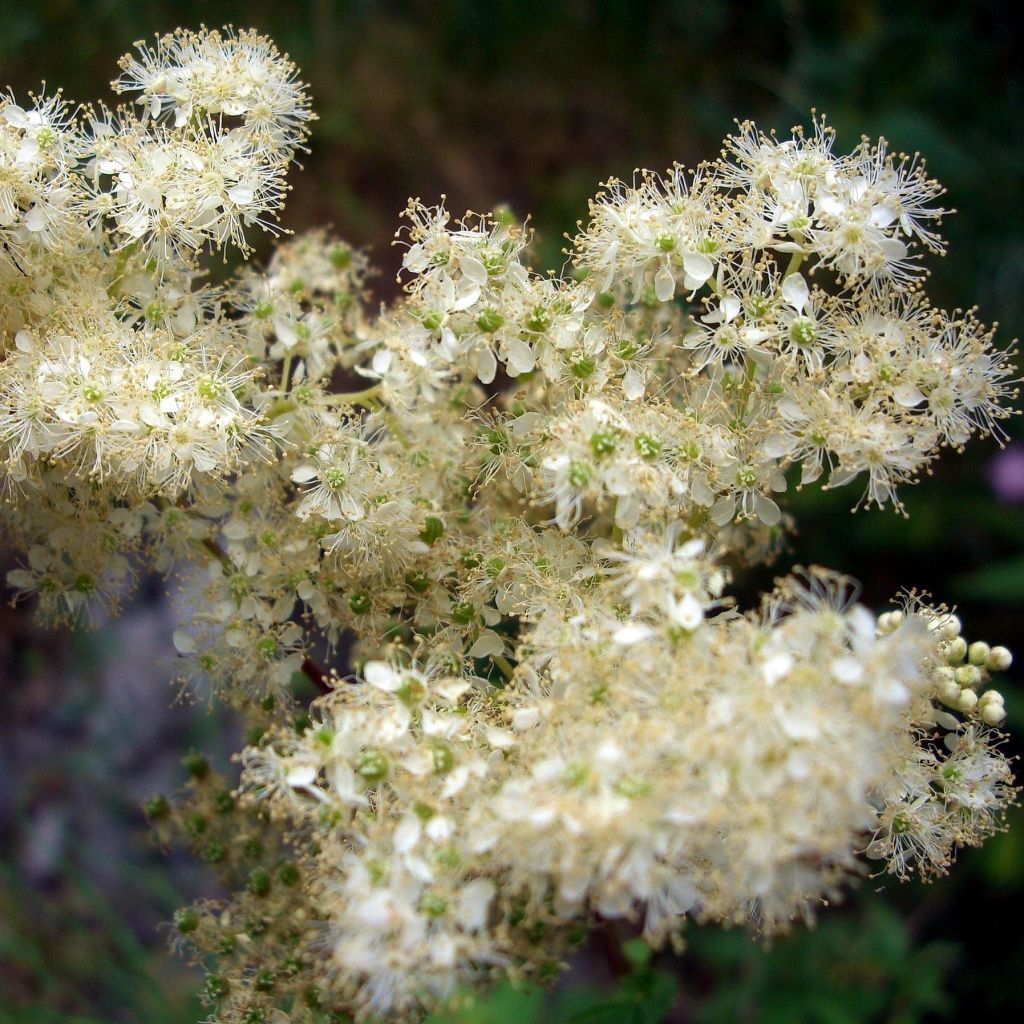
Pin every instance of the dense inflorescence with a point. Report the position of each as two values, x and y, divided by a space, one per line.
515 528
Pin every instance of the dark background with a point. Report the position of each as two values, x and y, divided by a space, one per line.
532 105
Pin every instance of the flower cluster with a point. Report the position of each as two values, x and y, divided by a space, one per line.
493 523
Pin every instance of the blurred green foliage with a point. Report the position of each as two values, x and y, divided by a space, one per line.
67 959
532 103
851 969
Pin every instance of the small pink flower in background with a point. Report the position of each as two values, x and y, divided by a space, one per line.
1006 474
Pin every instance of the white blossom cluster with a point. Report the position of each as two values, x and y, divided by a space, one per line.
624 774
515 521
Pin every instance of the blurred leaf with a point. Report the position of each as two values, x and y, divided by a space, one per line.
504 1004
1002 583
846 971
642 997
637 952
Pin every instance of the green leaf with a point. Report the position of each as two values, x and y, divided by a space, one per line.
501 1005
637 952
1001 583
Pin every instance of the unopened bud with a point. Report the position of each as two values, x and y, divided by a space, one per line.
978 653
968 675
968 700
956 650
993 714
888 622
949 693
990 697
949 627
999 659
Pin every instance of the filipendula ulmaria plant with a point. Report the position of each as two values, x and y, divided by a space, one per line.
557 715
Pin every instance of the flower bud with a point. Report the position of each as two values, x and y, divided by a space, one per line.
968 700
956 650
949 627
968 675
991 697
889 622
993 713
949 693
157 807
259 882
978 653
186 920
196 765
999 659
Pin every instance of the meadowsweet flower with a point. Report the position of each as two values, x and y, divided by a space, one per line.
538 702
226 76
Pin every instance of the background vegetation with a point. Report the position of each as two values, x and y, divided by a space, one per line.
531 104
